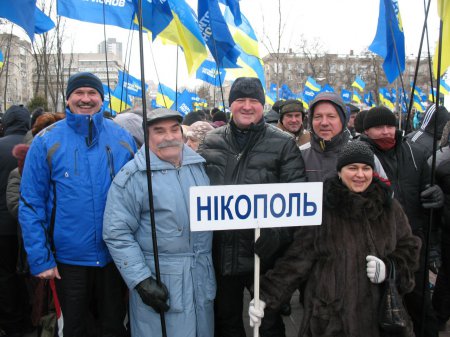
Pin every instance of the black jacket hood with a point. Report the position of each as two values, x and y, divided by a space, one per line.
16 120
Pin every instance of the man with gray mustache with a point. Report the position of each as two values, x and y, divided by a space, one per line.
188 285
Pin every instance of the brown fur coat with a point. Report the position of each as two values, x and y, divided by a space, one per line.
331 258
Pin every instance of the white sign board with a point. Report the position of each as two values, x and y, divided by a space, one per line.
224 207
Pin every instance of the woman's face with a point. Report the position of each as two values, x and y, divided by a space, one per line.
193 143
357 177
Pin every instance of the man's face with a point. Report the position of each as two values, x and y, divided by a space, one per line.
351 121
246 111
326 122
381 131
84 101
292 121
166 140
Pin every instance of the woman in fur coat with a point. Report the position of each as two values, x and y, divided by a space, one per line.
344 261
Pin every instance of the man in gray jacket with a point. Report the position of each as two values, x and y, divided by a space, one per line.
187 289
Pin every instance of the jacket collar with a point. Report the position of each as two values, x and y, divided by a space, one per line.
323 145
156 164
80 123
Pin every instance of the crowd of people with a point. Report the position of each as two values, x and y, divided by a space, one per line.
78 220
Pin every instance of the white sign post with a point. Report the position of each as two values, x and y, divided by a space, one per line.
227 207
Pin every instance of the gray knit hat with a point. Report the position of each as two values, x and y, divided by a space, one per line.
355 152
333 98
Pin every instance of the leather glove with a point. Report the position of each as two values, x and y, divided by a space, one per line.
255 314
153 294
432 197
376 269
267 243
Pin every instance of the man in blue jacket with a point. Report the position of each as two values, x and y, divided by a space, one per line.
66 177
188 284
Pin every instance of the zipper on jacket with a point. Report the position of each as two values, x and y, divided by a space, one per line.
76 161
110 162
89 138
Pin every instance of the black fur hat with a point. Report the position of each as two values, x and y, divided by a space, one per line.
355 152
377 116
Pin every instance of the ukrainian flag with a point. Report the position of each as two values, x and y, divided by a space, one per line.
183 30
418 104
1 59
312 84
119 99
444 14
444 88
165 97
356 97
359 83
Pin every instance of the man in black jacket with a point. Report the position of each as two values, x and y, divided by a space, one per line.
247 151
407 169
16 122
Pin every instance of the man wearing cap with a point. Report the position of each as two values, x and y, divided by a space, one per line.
188 286
66 177
328 135
407 169
247 151
291 119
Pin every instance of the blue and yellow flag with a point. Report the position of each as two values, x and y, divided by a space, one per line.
418 104
156 16
356 97
359 84
117 13
120 100
312 84
251 65
444 15
1 59
21 12
389 41
216 34
368 100
166 96
385 98
327 88
444 88
184 31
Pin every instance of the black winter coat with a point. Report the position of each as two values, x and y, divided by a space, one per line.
270 156
408 171
16 122
339 299
443 180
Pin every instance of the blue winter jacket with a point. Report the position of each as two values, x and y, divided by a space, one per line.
184 256
74 161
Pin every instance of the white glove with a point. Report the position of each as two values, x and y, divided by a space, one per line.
376 269
255 314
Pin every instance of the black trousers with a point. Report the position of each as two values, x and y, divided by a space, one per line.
228 308
441 296
416 299
87 293
14 306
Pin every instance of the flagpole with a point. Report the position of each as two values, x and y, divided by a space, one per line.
147 165
429 59
416 71
176 82
432 181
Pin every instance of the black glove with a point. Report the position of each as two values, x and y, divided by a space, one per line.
267 243
153 294
432 197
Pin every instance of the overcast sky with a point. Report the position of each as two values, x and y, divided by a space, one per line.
341 26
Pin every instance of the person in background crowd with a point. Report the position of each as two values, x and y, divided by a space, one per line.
328 135
358 123
68 170
247 151
344 261
187 286
219 119
441 294
272 116
34 116
407 169
425 134
352 112
196 134
14 315
131 120
194 116
291 119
